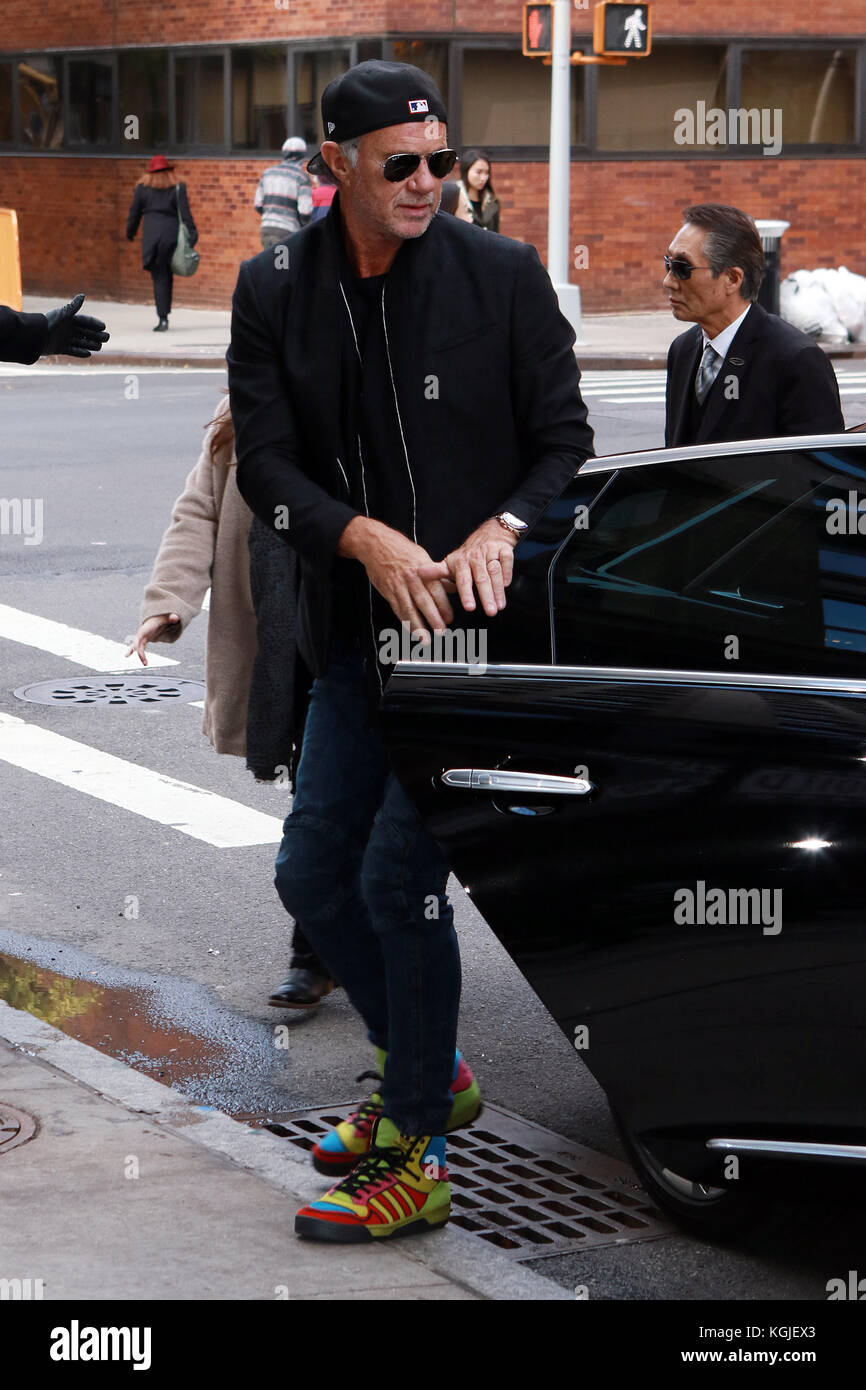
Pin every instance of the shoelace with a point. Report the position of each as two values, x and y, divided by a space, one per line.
375 1166
371 1109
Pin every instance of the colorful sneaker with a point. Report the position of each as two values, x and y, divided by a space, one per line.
348 1141
399 1188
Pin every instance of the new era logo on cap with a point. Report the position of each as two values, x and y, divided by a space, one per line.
417 106
330 126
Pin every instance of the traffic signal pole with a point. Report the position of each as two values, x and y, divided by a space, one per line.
558 229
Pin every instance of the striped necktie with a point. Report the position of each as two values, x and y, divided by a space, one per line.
708 370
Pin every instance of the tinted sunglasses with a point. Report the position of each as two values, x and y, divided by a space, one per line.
681 269
398 167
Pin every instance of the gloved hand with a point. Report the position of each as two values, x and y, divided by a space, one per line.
71 335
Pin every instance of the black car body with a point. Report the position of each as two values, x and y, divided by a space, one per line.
684 655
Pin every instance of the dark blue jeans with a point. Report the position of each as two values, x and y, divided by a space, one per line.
357 867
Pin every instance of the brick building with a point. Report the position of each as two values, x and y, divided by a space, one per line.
217 84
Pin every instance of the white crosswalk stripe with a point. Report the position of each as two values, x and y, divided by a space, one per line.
85 648
193 811
204 815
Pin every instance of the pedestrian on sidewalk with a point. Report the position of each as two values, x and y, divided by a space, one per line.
739 373
478 185
284 196
156 199
375 480
251 667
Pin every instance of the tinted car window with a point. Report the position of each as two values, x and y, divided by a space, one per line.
751 562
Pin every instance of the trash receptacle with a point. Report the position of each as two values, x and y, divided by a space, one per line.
771 233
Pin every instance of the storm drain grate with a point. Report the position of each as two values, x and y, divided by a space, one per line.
111 690
15 1128
520 1187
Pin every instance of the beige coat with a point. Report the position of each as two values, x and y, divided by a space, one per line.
206 544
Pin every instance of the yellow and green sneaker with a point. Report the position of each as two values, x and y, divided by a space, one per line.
342 1147
401 1187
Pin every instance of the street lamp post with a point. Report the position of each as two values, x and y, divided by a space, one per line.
560 165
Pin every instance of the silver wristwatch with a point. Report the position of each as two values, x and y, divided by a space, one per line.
511 523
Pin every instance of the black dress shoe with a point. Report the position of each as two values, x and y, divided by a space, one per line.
301 989
162 326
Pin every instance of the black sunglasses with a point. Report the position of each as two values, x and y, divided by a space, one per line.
398 167
681 269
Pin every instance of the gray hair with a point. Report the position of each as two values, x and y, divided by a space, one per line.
350 149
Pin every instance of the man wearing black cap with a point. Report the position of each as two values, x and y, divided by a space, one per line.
406 403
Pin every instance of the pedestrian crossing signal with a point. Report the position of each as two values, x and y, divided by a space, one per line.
622 30
537 31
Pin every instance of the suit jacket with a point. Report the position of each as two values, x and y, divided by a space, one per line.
482 376
159 208
774 381
22 336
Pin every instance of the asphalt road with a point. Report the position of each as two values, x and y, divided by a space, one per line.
210 938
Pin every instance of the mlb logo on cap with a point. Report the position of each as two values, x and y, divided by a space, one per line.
417 106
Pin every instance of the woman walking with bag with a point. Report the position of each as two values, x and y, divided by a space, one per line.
165 208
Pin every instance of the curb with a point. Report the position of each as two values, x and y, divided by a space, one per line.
453 1254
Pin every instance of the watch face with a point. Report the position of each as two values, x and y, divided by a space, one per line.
514 521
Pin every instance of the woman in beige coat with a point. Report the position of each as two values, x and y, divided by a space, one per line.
204 547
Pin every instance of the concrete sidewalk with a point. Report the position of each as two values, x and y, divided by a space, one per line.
131 1191
200 337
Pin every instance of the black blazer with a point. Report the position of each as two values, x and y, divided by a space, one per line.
484 378
774 381
158 207
22 336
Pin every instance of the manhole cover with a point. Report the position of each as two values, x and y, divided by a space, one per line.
520 1187
15 1128
112 690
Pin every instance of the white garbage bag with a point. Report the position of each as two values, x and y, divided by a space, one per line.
849 304
805 303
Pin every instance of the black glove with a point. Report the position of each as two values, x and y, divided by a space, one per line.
71 335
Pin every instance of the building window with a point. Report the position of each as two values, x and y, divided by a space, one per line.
640 106
814 89
313 72
198 95
506 99
89 81
143 84
430 56
259 97
5 103
39 106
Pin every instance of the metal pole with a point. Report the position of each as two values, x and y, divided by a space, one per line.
560 165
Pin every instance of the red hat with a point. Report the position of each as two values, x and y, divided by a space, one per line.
157 163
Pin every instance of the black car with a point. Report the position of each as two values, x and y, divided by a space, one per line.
654 790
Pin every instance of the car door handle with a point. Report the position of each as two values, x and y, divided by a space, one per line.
491 779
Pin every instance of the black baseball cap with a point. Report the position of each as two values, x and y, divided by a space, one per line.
374 95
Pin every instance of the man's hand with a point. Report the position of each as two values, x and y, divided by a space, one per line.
485 560
394 565
73 334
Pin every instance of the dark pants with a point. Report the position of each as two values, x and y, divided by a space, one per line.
358 868
163 281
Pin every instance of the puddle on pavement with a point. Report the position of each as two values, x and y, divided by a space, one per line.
169 1029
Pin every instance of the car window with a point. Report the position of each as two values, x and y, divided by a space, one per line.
750 561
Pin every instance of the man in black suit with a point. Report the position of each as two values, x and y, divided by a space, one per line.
740 373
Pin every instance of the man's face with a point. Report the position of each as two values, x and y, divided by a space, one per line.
395 211
702 297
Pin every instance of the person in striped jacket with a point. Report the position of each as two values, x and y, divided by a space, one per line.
284 196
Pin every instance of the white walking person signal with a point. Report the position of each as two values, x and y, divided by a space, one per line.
634 28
